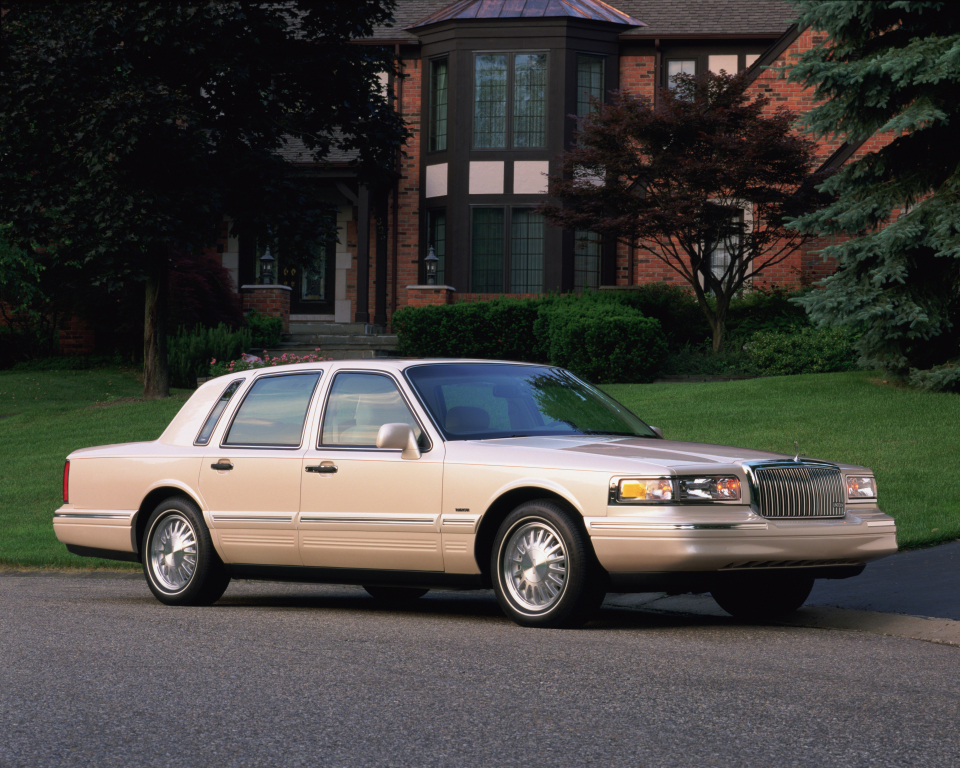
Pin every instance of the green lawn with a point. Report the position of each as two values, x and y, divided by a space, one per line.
909 438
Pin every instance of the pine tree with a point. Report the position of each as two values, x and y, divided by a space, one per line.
893 68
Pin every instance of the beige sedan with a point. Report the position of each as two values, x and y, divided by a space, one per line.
406 475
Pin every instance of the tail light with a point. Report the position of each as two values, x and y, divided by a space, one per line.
66 482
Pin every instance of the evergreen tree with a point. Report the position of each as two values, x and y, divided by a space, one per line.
894 68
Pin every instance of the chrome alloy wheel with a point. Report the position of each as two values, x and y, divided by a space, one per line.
534 564
173 553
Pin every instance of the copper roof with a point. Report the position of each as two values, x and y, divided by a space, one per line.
594 10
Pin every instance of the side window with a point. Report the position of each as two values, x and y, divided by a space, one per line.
273 412
204 437
358 405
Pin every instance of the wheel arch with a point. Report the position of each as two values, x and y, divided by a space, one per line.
154 497
502 506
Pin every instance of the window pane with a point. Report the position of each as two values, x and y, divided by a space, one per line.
589 83
273 412
586 260
490 102
526 274
487 250
214 416
359 404
438 105
437 237
530 100
678 67
727 245
313 276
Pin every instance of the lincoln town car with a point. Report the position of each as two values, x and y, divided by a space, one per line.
402 476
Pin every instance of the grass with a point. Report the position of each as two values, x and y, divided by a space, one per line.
909 438
44 415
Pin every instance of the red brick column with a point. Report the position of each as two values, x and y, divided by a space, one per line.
269 300
76 337
425 295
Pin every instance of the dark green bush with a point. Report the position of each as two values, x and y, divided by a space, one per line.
189 353
265 331
18 344
502 329
606 343
811 350
765 309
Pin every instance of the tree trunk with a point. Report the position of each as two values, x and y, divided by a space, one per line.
156 373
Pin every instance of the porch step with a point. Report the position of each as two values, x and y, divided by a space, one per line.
340 341
308 328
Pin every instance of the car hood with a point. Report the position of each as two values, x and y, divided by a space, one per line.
614 454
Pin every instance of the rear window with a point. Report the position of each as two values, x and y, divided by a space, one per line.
204 437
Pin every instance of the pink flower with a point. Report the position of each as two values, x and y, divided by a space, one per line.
213 361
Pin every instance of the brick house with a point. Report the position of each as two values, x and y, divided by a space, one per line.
487 89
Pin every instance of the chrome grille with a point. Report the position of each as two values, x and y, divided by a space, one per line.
799 490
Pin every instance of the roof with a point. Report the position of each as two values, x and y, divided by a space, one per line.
663 18
594 10
295 151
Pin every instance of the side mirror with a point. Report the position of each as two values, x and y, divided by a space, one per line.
658 431
399 436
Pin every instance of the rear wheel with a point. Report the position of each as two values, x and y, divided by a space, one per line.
179 561
543 570
395 594
756 597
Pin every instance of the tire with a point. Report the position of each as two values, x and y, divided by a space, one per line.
762 598
395 595
543 570
179 561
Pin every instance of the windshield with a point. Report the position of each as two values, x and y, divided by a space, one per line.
471 401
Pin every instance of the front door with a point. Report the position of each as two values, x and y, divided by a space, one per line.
312 283
365 507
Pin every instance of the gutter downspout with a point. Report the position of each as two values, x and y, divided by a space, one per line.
657 66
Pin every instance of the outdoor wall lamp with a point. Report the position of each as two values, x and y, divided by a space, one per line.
266 268
430 262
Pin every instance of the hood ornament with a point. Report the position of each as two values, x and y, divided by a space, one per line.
796 445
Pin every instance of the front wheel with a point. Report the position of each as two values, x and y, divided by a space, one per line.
543 570
179 561
762 598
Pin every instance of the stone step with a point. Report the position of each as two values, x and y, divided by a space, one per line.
308 328
339 340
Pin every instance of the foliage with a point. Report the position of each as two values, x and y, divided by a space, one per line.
652 175
942 378
766 309
25 343
605 342
249 362
502 329
131 128
191 352
811 350
266 331
892 68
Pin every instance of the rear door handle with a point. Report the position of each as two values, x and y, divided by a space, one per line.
323 469
222 465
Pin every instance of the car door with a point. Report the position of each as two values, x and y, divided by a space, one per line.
365 507
251 480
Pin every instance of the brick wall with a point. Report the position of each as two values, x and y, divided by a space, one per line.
76 337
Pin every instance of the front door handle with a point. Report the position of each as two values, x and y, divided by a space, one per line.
323 469
221 465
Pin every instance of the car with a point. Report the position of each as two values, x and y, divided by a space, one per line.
402 476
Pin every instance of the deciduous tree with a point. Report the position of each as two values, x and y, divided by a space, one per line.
141 124
703 179
892 68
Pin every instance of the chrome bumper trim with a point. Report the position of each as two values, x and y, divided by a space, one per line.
95 515
618 526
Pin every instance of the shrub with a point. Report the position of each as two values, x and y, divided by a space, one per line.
25 343
942 378
248 362
189 353
265 331
607 343
812 350
502 329
765 309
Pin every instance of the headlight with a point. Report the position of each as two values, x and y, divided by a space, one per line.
725 488
648 489
861 487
